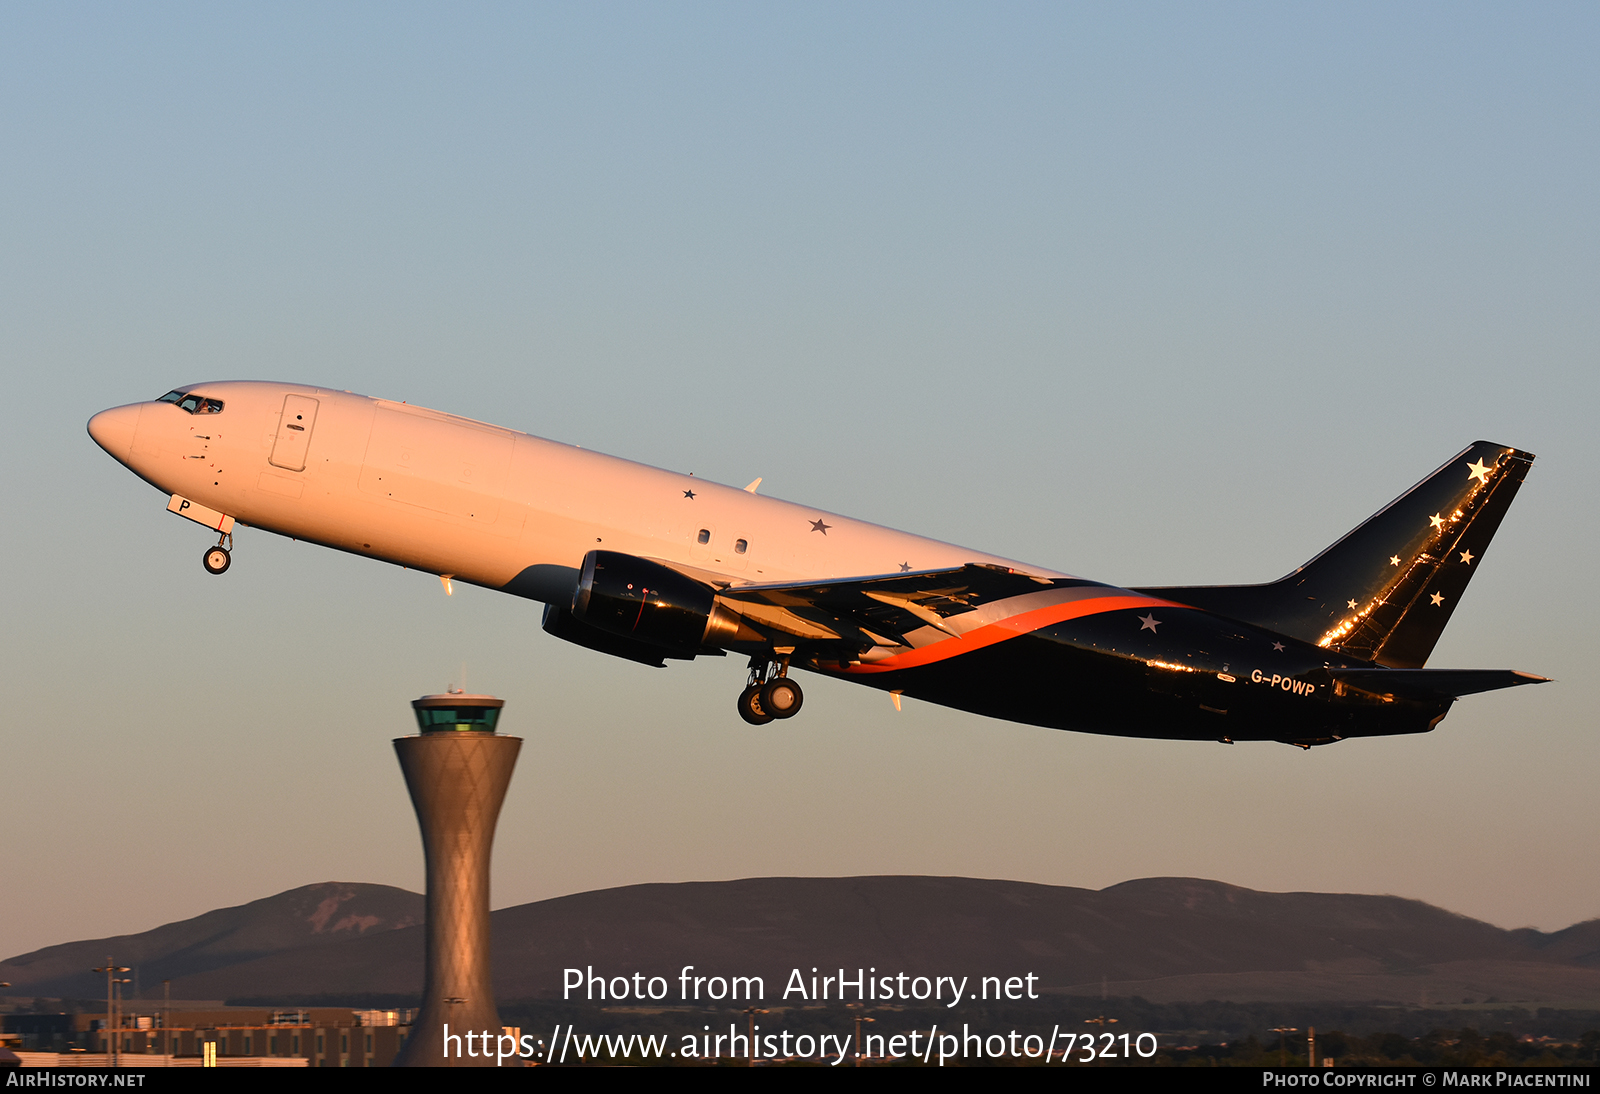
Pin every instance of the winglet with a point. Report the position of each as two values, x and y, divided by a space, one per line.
751 489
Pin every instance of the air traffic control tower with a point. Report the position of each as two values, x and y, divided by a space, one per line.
457 769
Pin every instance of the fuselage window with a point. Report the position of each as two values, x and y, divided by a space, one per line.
740 546
704 536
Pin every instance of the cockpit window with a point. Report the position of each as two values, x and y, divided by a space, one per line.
194 404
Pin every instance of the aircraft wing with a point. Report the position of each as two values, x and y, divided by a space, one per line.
882 610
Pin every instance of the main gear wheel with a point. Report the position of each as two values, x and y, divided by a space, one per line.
751 708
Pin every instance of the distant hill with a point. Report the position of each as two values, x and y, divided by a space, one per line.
309 918
1167 939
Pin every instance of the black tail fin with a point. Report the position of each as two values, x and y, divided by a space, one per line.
1385 591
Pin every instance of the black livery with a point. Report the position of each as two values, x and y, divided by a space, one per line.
1333 650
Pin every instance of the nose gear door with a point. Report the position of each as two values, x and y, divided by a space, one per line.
294 433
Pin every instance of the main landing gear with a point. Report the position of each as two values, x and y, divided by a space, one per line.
770 693
217 559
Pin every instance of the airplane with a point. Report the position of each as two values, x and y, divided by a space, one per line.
652 565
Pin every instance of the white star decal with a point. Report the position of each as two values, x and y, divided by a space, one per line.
1278 646
1479 471
1350 603
1437 600
1394 560
1149 622
1467 556
1436 520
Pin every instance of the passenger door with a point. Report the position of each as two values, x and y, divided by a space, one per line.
294 433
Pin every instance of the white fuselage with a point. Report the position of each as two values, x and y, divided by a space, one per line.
477 502
599 538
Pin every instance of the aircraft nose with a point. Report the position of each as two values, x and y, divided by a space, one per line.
113 429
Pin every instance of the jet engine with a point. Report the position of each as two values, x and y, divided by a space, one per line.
646 602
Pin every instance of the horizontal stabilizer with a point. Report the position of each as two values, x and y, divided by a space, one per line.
1433 683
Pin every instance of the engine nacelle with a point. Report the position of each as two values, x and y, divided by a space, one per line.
644 601
560 622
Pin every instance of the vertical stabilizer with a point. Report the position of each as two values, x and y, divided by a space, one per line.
1385 591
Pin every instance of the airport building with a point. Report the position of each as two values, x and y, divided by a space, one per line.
315 1037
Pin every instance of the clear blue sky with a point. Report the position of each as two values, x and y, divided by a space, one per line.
1150 293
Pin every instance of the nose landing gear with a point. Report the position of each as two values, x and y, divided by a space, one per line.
217 559
770 693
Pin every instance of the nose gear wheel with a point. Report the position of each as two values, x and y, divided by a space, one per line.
217 559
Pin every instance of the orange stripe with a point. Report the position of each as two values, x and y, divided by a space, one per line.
1006 629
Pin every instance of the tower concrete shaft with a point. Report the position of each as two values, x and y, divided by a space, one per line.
458 781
